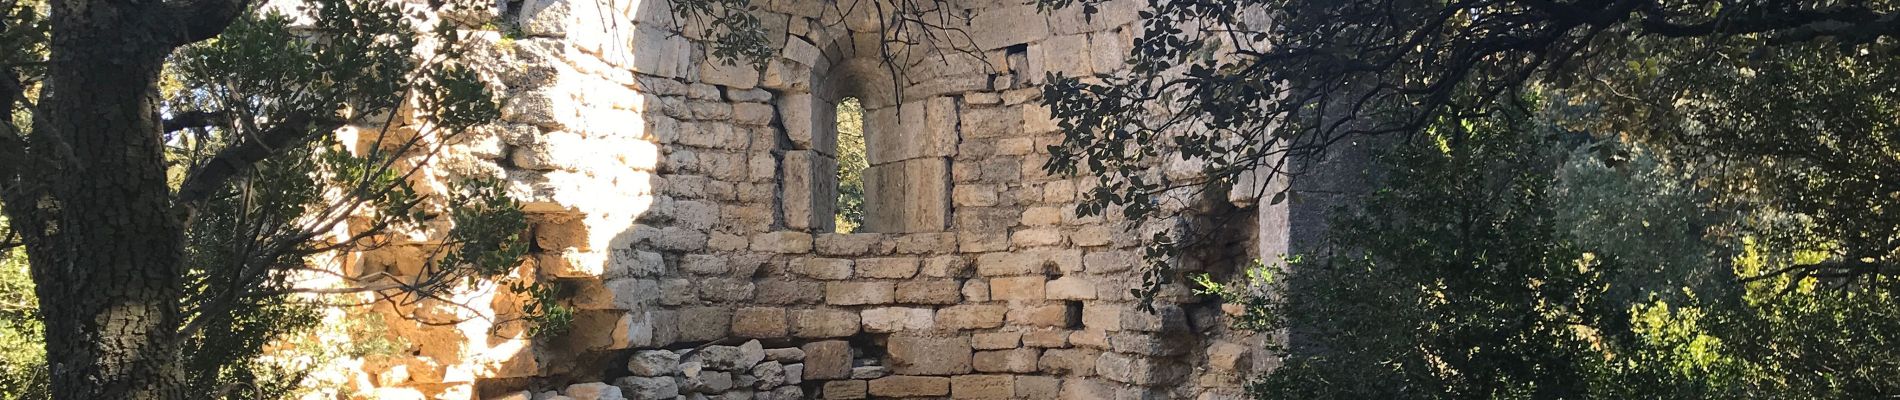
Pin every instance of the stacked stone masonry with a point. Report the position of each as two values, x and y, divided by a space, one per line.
687 206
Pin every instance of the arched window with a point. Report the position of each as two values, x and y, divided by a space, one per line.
851 165
860 161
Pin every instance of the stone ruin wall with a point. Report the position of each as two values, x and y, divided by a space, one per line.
686 206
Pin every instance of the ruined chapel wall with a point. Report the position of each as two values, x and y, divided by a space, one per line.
687 204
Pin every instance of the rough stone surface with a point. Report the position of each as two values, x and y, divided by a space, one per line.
910 386
691 202
653 363
827 360
924 355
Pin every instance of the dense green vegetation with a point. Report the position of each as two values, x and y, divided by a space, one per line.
1581 199
216 143
851 165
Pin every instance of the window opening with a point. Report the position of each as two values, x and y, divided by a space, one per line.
851 165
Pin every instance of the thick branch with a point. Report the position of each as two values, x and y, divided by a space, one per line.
202 19
205 179
1849 23
191 119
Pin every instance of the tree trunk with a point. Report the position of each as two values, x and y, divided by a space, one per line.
107 255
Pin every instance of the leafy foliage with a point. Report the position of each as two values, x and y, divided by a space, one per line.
22 340
851 165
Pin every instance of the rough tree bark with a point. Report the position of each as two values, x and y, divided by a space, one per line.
94 206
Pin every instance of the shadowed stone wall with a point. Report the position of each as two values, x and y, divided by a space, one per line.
686 206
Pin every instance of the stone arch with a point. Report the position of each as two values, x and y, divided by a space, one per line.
909 144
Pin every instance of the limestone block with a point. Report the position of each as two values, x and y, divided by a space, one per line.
829 359
909 386
782 242
653 363
811 191
723 358
573 263
709 382
974 195
788 355
703 323
593 391
1042 216
1105 50
926 243
782 393
859 293
1047 338
870 372
907 196
774 291
754 114
896 319
1110 261
722 73
750 353
675 292
1037 119
635 264
1102 316
1017 288
982 387
703 264
725 289
680 239
1070 288
1050 316
770 374
887 268
759 322
822 268
974 242
1021 360
916 132
983 98
1001 27
784 75
971 316
1145 344
1087 389
795 373
1166 317
928 291
1092 338
824 323
810 123
543 18
996 340
1038 387
845 390
1092 235
851 244
925 355
1037 237
976 290
991 122
1011 263
632 293
1116 367
609 329
1228 356
1072 362
946 266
